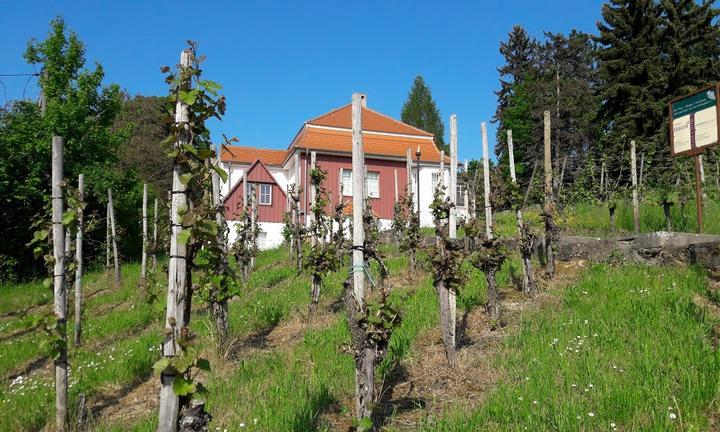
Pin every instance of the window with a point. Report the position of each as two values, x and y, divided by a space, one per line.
346 182
460 197
372 183
435 180
265 194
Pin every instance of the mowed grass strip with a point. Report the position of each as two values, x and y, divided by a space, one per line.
625 349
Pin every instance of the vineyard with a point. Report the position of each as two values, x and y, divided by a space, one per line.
158 275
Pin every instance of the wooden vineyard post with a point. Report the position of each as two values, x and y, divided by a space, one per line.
253 223
113 237
452 220
702 176
486 180
143 262
220 306
365 352
633 174
549 204
59 287
79 263
177 272
528 284
155 236
397 195
408 169
315 280
442 168
107 238
698 194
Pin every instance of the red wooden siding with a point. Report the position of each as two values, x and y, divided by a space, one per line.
266 213
382 206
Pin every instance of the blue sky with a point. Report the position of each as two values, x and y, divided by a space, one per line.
282 63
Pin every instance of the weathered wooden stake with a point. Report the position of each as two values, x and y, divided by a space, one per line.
177 272
365 364
315 280
143 262
155 236
549 202
452 220
408 169
79 263
107 238
528 284
486 180
220 307
113 237
59 287
633 173
253 223
397 195
442 169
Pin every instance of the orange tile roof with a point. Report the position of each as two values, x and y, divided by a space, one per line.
249 155
314 138
371 120
373 144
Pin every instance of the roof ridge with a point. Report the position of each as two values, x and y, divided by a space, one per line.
252 148
425 133
333 111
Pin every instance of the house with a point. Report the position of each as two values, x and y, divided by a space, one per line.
386 143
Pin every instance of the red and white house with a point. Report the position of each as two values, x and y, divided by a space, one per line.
385 142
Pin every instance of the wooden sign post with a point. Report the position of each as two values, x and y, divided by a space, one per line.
695 126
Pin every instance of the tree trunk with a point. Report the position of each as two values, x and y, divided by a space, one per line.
107 239
486 178
59 287
633 174
611 209
79 264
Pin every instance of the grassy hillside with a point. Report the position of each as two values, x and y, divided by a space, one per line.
622 343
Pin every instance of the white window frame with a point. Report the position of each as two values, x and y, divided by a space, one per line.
435 180
347 181
260 194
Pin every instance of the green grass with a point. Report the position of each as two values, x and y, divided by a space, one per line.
645 323
625 346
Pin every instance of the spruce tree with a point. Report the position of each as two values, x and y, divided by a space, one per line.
420 110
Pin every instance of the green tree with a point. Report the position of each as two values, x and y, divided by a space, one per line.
420 110
143 153
82 110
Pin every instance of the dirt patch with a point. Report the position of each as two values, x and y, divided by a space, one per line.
118 406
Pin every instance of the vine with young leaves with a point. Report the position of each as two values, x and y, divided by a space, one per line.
446 258
323 256
293 230
406 223
209 276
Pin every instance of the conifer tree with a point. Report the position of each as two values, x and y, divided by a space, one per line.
420 110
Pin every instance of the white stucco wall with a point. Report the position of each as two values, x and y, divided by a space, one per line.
271 236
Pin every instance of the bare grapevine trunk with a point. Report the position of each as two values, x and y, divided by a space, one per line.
666 211
493 304
315 293
445 321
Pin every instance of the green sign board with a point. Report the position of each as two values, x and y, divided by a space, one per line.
694 122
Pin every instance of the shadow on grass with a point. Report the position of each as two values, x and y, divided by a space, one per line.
391 404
